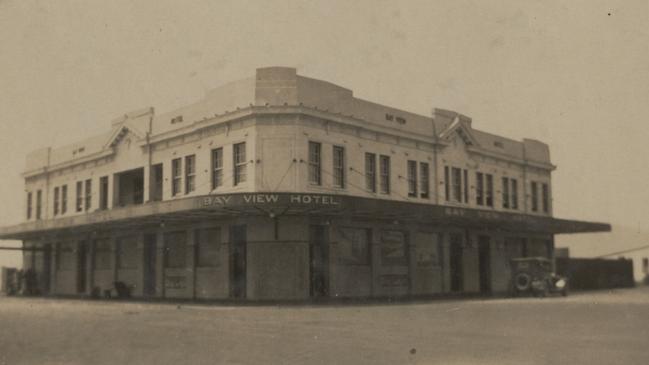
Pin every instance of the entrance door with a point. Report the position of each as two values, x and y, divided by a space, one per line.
319 261
81 267
150 243
456 267
238 261
484 264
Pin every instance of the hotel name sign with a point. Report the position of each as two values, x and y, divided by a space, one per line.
265 199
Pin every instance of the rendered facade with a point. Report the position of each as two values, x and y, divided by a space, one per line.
282 187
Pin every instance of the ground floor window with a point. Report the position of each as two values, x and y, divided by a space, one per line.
354 246
175 249
428 249
394 248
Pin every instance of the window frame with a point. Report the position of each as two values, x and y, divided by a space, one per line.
190 173
64 199
176 176
411 176
534 194
315 163
87 195
79 196
103 193
56 201
217 167
479 189
456 184
370 172
338 165
514 193
424 180
239 168
29 206
384 174
545 197
505 192
39 204
489 190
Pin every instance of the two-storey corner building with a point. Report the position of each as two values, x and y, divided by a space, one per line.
284 187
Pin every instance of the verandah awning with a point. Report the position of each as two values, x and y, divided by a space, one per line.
278 204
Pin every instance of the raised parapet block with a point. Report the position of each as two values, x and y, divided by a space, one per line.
536 151
276 86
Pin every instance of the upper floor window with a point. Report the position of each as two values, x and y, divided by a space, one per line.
39 203
412 178
545 198
57 200
456 184
217 167
176 176
423 180
489 190
339 166
447 183
370 172
479 188
505 192
239 159
190 173
314 163
79 196
103 192
88 196
513 184
29 205
64 199
535 196
384 167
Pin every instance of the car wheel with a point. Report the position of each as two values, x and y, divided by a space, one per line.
522 282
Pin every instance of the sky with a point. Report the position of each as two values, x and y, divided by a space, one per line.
572 74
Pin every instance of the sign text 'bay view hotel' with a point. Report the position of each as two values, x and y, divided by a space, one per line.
282 187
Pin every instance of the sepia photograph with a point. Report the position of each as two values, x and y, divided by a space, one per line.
324 182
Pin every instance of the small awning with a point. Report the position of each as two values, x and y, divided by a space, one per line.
278 204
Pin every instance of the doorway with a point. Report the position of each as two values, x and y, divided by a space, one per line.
484 264
455 264
149 267
319 261
238 261
81 266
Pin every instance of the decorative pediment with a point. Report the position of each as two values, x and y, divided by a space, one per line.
120 133
459 129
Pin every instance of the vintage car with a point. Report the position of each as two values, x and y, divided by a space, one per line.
533 275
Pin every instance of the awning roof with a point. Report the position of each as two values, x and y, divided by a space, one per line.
277 204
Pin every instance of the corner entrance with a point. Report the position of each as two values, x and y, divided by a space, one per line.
319 261
238 261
